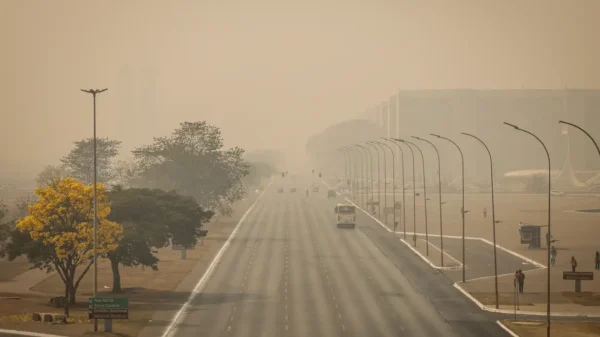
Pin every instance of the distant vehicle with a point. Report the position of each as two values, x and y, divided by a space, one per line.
316 189
331 193
280 190
293 189
345 215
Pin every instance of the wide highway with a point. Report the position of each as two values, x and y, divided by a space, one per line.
288 271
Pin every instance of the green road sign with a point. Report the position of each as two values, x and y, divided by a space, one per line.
108 308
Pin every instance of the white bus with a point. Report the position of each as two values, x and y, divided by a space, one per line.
345 215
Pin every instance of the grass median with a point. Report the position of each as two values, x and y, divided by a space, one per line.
147 290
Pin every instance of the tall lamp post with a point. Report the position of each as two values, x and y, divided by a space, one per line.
378 181
582 130
363 183
356 161
414 191
393 179
94 92
549 212
462 210
424 195
403 189
384 180
440 196
341 150
493 214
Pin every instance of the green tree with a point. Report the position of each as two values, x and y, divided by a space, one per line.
151 218
50 173
80 160
192 161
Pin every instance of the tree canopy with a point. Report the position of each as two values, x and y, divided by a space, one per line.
50 173
80 160
150 218
192 161
58 233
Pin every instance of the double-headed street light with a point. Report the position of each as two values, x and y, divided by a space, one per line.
403 189
94 92
549 212
440 196
363 181
493 214
414 191
462 210
374 143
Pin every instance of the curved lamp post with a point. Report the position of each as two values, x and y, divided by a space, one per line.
403 189
462 210
378 181
440 196
347 166
493 214
393 179
384 181
363 181
355 160
582 130
549 212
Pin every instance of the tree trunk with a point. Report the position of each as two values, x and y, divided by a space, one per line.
114 264
72 293
67 298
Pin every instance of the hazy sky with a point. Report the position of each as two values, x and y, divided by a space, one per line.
268 73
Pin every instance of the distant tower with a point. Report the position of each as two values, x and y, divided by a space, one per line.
567 179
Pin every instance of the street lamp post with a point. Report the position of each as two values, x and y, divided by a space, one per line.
363 181
341 150
549 212
94 92
356 162
393 179
384 181
440 196
414 192
424 195
403 189
582 130
378 181
462 210
493 214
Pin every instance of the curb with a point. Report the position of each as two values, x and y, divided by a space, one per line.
520 312
510 332
28 333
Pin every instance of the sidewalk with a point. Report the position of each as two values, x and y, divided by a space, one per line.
22 284
564 301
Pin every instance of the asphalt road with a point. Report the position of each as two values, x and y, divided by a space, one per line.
290 272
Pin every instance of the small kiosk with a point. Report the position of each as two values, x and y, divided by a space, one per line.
531 234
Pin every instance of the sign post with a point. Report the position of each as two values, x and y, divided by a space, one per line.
108 309
183 250
578 276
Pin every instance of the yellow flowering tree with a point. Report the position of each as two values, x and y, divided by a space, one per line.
61 232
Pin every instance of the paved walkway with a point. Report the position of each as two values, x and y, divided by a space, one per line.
22 284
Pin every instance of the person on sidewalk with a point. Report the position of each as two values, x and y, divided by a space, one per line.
521 281
597 260
573 263
485 212
552 256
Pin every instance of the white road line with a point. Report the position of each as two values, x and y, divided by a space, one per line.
425 258
510 332
445 253
27 333
171 327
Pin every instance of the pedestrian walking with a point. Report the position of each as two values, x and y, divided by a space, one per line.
573 263
485 212
521 281
597 260
552 256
